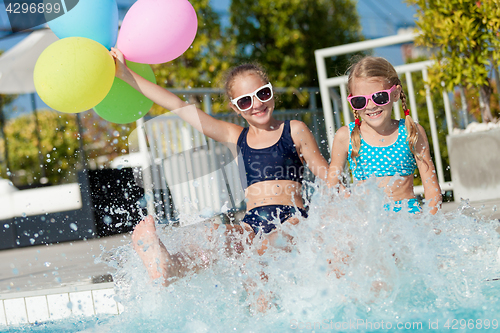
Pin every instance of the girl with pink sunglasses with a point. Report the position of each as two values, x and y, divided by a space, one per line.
375 145
273 153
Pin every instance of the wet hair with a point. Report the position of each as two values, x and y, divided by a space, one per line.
376 67
251 68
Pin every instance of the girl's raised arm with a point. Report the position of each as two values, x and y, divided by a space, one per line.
340 148
432 190
308 148
216 129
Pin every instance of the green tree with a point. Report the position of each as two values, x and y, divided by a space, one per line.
4 154
465 35
59 142
102 141
283 34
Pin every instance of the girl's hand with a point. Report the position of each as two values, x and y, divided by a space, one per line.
121 67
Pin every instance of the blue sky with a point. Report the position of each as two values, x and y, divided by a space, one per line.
378 18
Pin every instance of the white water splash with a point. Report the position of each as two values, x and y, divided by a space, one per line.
351 261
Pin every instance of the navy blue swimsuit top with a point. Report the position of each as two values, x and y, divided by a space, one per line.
278 162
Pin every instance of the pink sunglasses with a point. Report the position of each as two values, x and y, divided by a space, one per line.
380 98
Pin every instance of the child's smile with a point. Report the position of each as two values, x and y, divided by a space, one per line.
373 114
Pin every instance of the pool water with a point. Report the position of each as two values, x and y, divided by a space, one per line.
354 266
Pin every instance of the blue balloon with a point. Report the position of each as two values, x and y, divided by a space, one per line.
93 19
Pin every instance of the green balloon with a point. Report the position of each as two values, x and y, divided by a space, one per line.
123 104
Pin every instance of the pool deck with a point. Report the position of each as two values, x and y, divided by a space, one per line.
31 270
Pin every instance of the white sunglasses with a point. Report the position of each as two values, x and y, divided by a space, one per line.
245 102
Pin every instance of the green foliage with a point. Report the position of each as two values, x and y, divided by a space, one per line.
60 145
282 35
465 37
59 142
4 100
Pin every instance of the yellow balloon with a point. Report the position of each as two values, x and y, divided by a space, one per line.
74 74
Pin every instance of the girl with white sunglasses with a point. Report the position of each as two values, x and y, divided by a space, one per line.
375 145
274 153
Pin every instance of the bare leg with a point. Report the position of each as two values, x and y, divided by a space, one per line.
157 260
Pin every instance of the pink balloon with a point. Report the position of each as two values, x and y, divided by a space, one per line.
157 31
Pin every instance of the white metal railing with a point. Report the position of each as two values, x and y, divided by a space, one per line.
330 98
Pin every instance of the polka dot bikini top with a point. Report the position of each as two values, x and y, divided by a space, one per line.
395 159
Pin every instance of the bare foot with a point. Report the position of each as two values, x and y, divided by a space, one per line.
154 255
158 261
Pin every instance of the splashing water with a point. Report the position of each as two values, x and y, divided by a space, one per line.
353 266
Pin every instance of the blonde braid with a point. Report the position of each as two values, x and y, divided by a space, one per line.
411 128
355 138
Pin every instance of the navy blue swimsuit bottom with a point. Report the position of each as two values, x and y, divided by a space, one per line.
261 218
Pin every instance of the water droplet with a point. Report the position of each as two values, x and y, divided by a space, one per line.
107 220
47 264
6 226
15 271
73 226
196 183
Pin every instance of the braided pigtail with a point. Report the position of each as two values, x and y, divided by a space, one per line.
356 137
411 128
